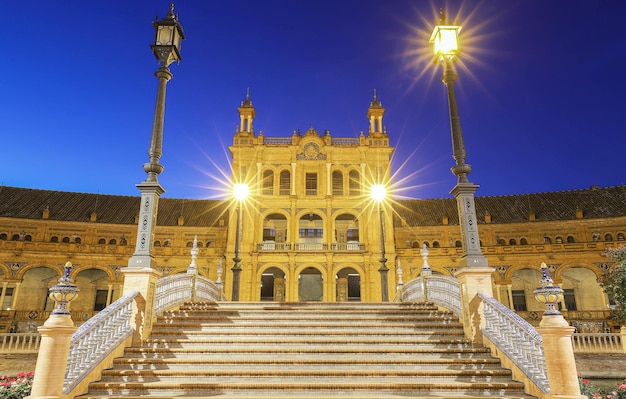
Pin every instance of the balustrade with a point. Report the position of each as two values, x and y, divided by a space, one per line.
19 343
97 338
172 291
517 339
597 342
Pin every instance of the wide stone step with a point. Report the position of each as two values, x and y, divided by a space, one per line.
307 350
402 387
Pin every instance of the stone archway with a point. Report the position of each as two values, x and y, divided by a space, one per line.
272 285
310 285
348 285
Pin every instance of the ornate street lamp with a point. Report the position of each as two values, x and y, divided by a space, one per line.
166 48
446 48
240 192
378 194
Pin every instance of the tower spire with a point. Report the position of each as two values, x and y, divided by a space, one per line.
375 115
246 115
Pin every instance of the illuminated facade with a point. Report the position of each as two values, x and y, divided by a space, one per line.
310 231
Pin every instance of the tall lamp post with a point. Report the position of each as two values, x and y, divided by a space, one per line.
378 193
446 47
166 48
240 192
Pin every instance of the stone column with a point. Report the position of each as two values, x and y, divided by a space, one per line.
342 289
472 281
623 337
560 362
143 280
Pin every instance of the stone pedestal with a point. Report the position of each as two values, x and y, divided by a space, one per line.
472 281
56 335
143 280
559 354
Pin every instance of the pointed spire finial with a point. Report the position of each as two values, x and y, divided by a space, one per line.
442 17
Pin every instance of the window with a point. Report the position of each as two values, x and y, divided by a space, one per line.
458 244
500 241
435 244
15 237
3 236
112 241
101 300
102 241
569 299
523 241
268 182
512 241
285 183
620 236
570 239
28 237
189 244
157 243
547 240
65 240
123 241
354 184
77 240
558 240
608 237
337 183
519 300
8 298
311 184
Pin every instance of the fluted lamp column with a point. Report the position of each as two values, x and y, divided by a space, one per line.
379 193
446 49
141 274
240 193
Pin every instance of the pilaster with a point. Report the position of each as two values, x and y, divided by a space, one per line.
143 280
472 281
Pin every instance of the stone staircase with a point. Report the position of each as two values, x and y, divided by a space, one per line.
307 350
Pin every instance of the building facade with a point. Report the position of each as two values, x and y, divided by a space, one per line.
309 231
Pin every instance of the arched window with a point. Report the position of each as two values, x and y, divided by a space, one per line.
199 244
102 241
547 239
427 244
189 244
500 241
167 243
54 239
285 182
354 184
458 244
123 241
523 241
570 239
337 183
15 237
435 244
608 237
28 237
268 182
558 240
620 236
77 240
157 243
112 241
415 244
512 241
65 240
3 236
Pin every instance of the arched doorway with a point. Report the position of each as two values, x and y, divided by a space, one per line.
310 285
348 285
273 285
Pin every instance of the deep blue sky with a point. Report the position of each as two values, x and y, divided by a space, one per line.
541 99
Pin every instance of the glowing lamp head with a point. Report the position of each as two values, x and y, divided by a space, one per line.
445 41
379 192
168 35
240 191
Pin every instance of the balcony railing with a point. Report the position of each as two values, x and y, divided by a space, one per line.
288 246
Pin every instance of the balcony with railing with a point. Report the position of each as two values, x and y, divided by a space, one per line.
306 247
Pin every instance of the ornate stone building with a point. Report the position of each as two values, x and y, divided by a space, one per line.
310 231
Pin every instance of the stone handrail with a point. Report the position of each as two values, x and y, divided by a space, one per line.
172 291
517 339
98 337
19 343
440 290
597 342
207 290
